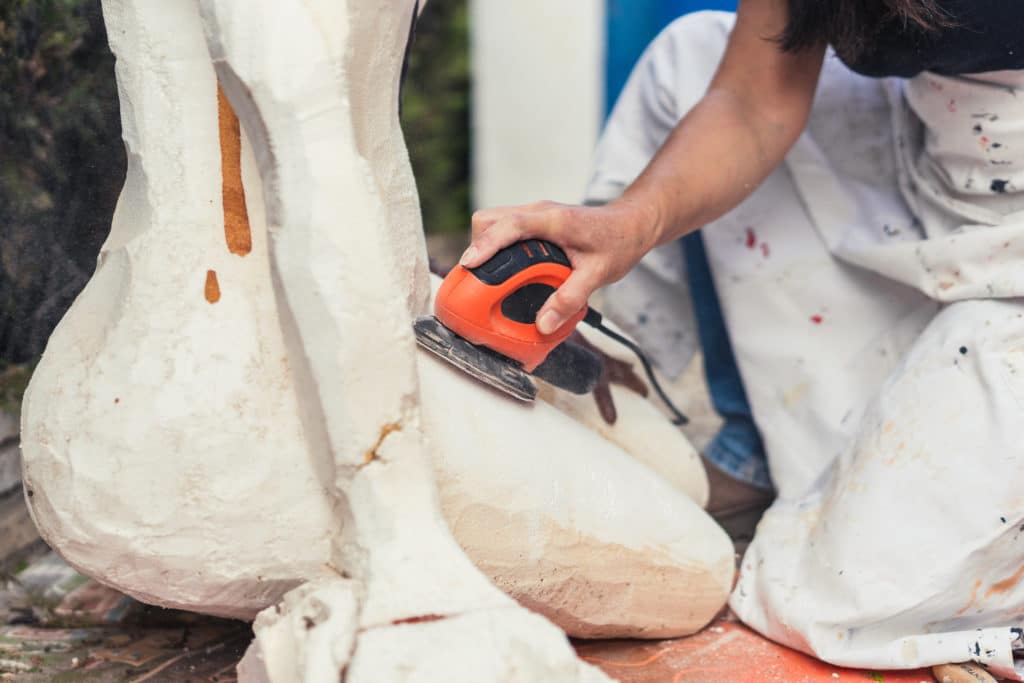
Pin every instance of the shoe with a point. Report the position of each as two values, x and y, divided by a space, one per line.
962 673
736 505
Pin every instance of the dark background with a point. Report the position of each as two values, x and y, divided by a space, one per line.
62 162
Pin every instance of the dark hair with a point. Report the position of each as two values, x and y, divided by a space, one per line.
850 25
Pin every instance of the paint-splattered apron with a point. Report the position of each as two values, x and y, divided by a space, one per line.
872 289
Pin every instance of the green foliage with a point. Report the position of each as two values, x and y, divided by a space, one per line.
13 382
61 165
435 114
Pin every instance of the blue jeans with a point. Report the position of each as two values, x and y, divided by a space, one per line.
737 449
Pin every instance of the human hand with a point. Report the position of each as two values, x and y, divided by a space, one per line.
602 242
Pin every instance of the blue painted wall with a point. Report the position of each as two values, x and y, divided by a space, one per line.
632 24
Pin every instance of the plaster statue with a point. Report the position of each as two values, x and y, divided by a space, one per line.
233 416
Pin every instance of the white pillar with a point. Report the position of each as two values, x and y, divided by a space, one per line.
538 98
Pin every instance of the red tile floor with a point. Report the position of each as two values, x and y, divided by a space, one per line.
85 632
206 651
725 652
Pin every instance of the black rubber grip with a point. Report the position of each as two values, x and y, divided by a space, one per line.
517 258
523 304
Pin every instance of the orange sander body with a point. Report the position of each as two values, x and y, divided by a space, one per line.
485 324
496 304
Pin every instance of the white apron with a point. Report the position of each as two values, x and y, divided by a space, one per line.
872 290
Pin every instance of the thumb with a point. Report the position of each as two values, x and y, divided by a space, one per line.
503 232
567 301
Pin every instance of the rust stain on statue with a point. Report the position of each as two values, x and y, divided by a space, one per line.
236 216
372 454
212 287
422 619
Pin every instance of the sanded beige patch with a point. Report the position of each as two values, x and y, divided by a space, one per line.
588 587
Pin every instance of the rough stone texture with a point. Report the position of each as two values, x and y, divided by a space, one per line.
17 531
241 370
124 370
10 455
571 525
60 173
183 406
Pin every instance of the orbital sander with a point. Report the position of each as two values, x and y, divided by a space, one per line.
484 323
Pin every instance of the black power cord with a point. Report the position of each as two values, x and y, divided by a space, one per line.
596 320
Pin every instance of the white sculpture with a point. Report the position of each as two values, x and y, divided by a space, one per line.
234 406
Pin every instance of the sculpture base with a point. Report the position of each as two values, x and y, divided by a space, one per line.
114 640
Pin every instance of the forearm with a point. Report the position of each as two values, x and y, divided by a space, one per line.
717 155
754 109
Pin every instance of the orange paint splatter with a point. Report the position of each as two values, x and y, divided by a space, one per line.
387 429
973 599
236 216
1004 586
212 290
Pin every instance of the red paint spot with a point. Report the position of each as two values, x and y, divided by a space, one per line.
951 106
766 251
751 238
817 319
116 401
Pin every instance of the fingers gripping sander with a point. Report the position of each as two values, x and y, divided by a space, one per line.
485 324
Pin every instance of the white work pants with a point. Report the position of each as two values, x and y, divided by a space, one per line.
872 291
